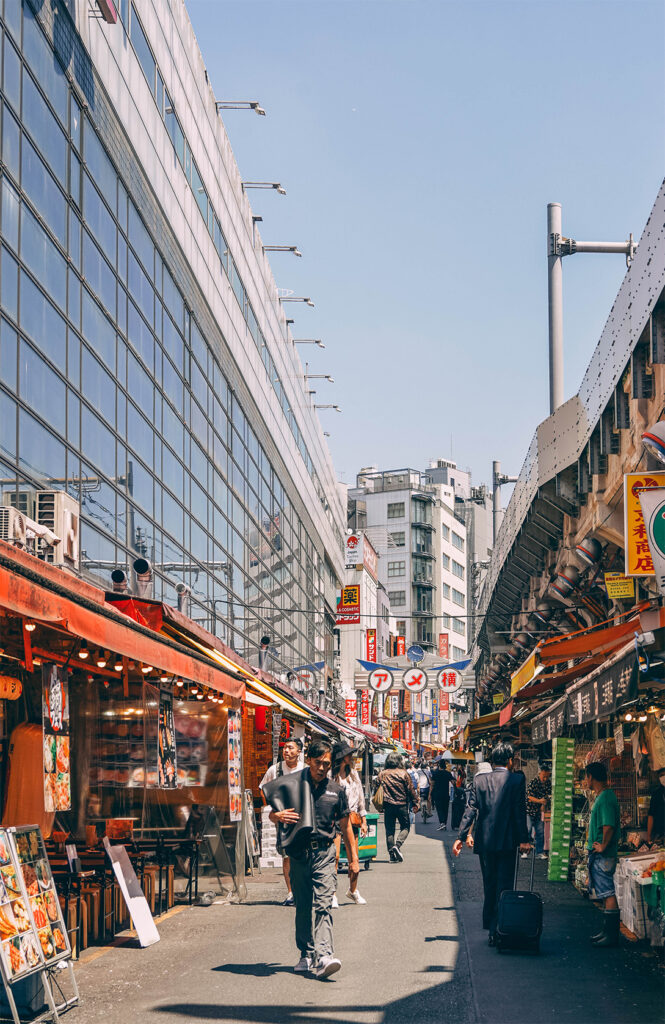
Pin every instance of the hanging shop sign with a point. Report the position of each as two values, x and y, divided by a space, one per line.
443 646
348 606
601 695
551 724
167 772
448 680
618 586
497 699
381 680
435 714
653 509
11 688
638 553
394 705
361 554
444 702
371 645
618 739
525 673
364 707
234 764
415 680
401 646
55 726
351 710
33 935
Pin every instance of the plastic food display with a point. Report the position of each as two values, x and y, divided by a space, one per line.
32 930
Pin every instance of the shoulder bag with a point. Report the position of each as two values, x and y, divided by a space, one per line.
378 798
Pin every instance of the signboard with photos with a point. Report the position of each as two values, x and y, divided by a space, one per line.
32 930
55 725
234 766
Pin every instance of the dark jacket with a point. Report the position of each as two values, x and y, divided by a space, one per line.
497 805
397 786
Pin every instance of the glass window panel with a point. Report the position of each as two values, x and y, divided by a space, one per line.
98 331
75 178
41 256
98 442
172 515
140 434
173 301
44 65
8 420
220 245
159 94
122 258
10 142
200 193
171 470
9 283
75 121
98 387
10 212
98 501
8 354
198 423
142 49
99 166
199 544
96 549
41 455
172 385
98 218
141 240
140 386
74 359
199 346
173 343
173 429
140 336
41 388
141 289
237 285
45 130
98 274
74 299
73 419
43 192
141 485
122 362
199 384
11 77
121 413
174 129
13 18
75 239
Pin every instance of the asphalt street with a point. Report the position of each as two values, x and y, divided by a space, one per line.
415 954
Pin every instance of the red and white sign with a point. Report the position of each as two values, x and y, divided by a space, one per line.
380 680
364 709
306 678
443 646
359 552
371 645
351 710
444 702
415 680
449 680
348 606
401 646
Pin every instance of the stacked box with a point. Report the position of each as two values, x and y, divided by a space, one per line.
563 772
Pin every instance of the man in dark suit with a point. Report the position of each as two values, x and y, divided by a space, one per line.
497 810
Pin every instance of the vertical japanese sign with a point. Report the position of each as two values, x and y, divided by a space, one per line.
401 646
350 710
444 702
364 708
276 733
348 606
371 645
167 771
234 765
55 725
435 714
443 645
638 553
653 507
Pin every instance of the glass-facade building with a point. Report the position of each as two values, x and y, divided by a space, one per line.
146 366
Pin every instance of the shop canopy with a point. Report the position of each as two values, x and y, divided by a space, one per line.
603 639
43 594
478 726
273 697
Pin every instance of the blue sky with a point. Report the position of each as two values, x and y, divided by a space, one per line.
420 143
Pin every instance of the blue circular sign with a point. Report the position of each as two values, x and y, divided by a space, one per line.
415 653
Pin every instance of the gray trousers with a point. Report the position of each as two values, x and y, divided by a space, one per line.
314 882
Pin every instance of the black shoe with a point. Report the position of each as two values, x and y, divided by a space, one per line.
611 930
491 940
396 853
391 854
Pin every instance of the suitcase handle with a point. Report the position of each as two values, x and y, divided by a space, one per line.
533 866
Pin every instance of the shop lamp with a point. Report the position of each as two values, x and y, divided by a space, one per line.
590 551
83 650
146 669
101 659
179 682
628 717
117 665
642 717
30 626
653 440
199 696
163 678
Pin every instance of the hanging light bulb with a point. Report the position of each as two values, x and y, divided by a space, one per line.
30 626
83 650
194 690
642 717
101 659
146 669
117 663
199 696
163 678
628 717
179 682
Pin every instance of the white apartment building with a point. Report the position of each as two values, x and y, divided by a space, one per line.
421 543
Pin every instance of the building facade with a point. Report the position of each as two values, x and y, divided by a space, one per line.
152 400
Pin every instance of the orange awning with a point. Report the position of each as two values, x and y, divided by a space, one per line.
589 642
107 630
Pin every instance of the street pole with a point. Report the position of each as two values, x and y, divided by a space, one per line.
555 305
496 499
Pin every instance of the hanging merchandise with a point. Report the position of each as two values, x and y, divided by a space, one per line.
235 768
55 726
166 750
655 740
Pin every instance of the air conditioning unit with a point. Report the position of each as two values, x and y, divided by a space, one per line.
12 526
24 501
60 513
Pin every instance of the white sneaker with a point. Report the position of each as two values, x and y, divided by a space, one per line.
523 856
541 856
335 904
356 897
327 965
397 853
304 965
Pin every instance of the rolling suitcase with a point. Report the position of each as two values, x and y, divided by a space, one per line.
520 917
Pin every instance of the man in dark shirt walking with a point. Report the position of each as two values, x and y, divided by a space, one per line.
441 782
312 853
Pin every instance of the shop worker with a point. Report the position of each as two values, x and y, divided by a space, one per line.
656 817
603 847
312 854
292 762
537 797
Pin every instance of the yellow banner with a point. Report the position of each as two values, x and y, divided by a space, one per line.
638 555
618 586
524 674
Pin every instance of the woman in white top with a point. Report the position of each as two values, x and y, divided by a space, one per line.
292 762
343 773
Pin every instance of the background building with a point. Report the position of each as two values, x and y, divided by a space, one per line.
151 396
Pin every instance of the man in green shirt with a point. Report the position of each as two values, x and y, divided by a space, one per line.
603 847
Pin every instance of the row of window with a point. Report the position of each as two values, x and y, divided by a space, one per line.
458 570
396 510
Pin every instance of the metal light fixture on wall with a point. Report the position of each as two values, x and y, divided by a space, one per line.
590 551
653 440
566 581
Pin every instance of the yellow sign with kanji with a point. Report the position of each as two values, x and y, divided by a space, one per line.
348 606
638 555
618 586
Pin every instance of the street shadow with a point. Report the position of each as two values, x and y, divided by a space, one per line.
254 970
265 1014
442 938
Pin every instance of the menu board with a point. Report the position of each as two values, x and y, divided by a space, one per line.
55 719
166 754
32 930
235 774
